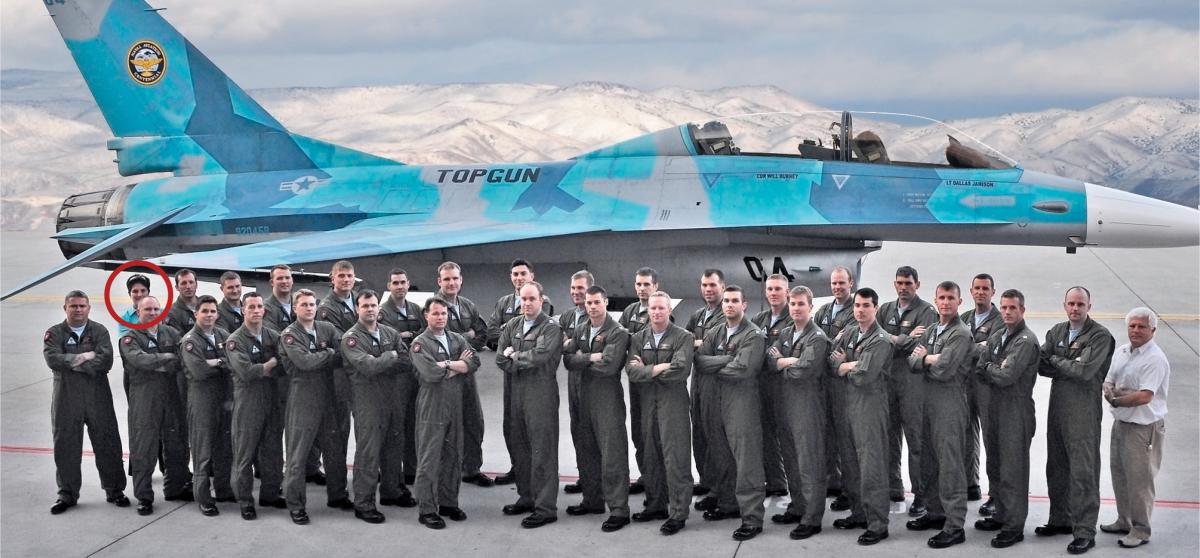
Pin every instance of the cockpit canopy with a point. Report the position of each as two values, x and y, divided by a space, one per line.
714 139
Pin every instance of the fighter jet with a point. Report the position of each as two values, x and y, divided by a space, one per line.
244 193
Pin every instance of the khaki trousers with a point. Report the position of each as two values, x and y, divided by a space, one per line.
1135 456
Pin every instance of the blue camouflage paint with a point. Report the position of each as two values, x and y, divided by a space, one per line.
243 171
547 193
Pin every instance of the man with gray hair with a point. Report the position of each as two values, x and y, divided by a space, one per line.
1136 388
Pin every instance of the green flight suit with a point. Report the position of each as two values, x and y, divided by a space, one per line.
735 437
978 396
439 419
412 320
278 318
1009 367
183 319
507 308
257 426
838 451
152 363
81 397
594 391
801 417
464 317
945 426
698 324
906 393
775 453
665 420
866 479
210 405
534 408
335 311
375 363
634 319
1077 369
310 420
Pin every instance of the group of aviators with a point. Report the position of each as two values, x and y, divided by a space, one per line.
795 400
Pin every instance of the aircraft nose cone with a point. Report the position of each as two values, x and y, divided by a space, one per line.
1125 220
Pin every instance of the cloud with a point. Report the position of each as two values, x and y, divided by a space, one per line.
854 49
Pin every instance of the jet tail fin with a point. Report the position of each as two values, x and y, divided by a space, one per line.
170 107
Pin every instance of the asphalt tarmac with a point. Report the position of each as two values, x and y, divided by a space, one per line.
1163 279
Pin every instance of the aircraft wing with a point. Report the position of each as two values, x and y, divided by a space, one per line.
370 237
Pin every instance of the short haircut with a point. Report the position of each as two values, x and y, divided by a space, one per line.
302 292
205 299
584 274
868 293
801 290
1013 293
249 295
182 272
907 271
519 262
1081 288
397 271
777 277
949 286
648 272
342 264
597 290
660 294
148 297
843 269
448 265
365 293
429 302
736 289
284 267
714 271
536 285
138 279
76 294
1143 312
229 276
985 277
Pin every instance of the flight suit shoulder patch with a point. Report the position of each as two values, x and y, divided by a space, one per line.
351 342
188 346
289 339
47 336
126 340
231 345
416 347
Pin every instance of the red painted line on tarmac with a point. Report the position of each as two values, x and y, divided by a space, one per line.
1171 504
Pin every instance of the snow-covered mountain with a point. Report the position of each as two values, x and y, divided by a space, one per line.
52 135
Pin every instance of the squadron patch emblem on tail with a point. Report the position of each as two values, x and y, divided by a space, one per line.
147 62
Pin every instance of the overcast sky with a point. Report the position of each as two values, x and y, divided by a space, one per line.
944 59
